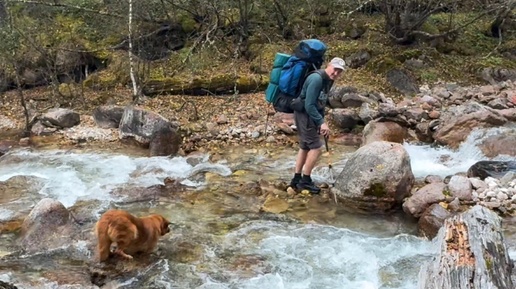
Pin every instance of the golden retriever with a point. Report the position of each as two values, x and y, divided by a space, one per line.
124 234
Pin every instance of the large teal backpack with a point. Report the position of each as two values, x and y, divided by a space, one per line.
289 72
273 88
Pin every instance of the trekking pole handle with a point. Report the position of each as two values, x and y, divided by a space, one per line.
326 143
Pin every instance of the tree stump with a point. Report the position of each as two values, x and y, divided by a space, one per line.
473 254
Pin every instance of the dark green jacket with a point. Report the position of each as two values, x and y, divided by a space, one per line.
315 94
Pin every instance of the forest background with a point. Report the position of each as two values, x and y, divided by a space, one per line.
87 53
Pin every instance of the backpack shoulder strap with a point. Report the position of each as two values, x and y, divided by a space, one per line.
327 82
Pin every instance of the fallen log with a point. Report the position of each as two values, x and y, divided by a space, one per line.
472 254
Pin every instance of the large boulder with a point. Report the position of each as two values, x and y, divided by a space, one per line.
376 178
500 144
457 122
48 226
150 130
108 116
495 169
383 131
165 141
400 80
19 193
60 118
345 118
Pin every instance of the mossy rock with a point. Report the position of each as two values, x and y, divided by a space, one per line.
408 54
116 73
219 84
382 64
188 23
70 90
353 29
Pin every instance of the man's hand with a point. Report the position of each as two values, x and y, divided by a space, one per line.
325 130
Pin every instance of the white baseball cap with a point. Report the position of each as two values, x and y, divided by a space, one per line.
339 63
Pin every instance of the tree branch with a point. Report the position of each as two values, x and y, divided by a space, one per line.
360 7
84 9
429 36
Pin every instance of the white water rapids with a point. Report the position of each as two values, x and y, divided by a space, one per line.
300 256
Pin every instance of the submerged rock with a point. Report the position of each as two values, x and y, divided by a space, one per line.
275 205
5 285
48 226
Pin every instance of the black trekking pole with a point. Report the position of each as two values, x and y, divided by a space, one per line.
328 151
330 168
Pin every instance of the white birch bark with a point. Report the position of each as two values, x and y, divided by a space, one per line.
131 56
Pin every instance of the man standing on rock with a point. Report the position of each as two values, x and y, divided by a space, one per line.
310 123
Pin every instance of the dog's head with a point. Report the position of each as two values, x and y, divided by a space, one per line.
162 222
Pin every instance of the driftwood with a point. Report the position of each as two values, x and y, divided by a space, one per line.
473 254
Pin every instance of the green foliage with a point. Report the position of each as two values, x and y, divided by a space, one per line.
409 54
429 76
214 26
10 41
188 23
383 64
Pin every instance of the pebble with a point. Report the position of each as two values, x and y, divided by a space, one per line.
7 123
500 195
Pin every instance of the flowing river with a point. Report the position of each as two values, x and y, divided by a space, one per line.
220 238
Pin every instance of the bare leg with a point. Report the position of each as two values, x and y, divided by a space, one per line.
311 159
300 160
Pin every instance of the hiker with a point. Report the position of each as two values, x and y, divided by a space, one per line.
310 122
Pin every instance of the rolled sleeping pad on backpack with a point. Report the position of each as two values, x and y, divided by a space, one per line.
273 88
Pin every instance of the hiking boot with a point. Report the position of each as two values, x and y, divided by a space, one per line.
294 182
311 187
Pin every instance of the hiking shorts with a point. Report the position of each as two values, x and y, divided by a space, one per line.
309 138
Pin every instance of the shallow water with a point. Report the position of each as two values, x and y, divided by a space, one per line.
220 238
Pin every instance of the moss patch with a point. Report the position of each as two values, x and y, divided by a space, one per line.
217 84
117 73
376 190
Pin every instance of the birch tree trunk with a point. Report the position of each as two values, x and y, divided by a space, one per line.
136 93
473 254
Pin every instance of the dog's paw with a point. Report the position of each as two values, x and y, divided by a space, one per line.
123 254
